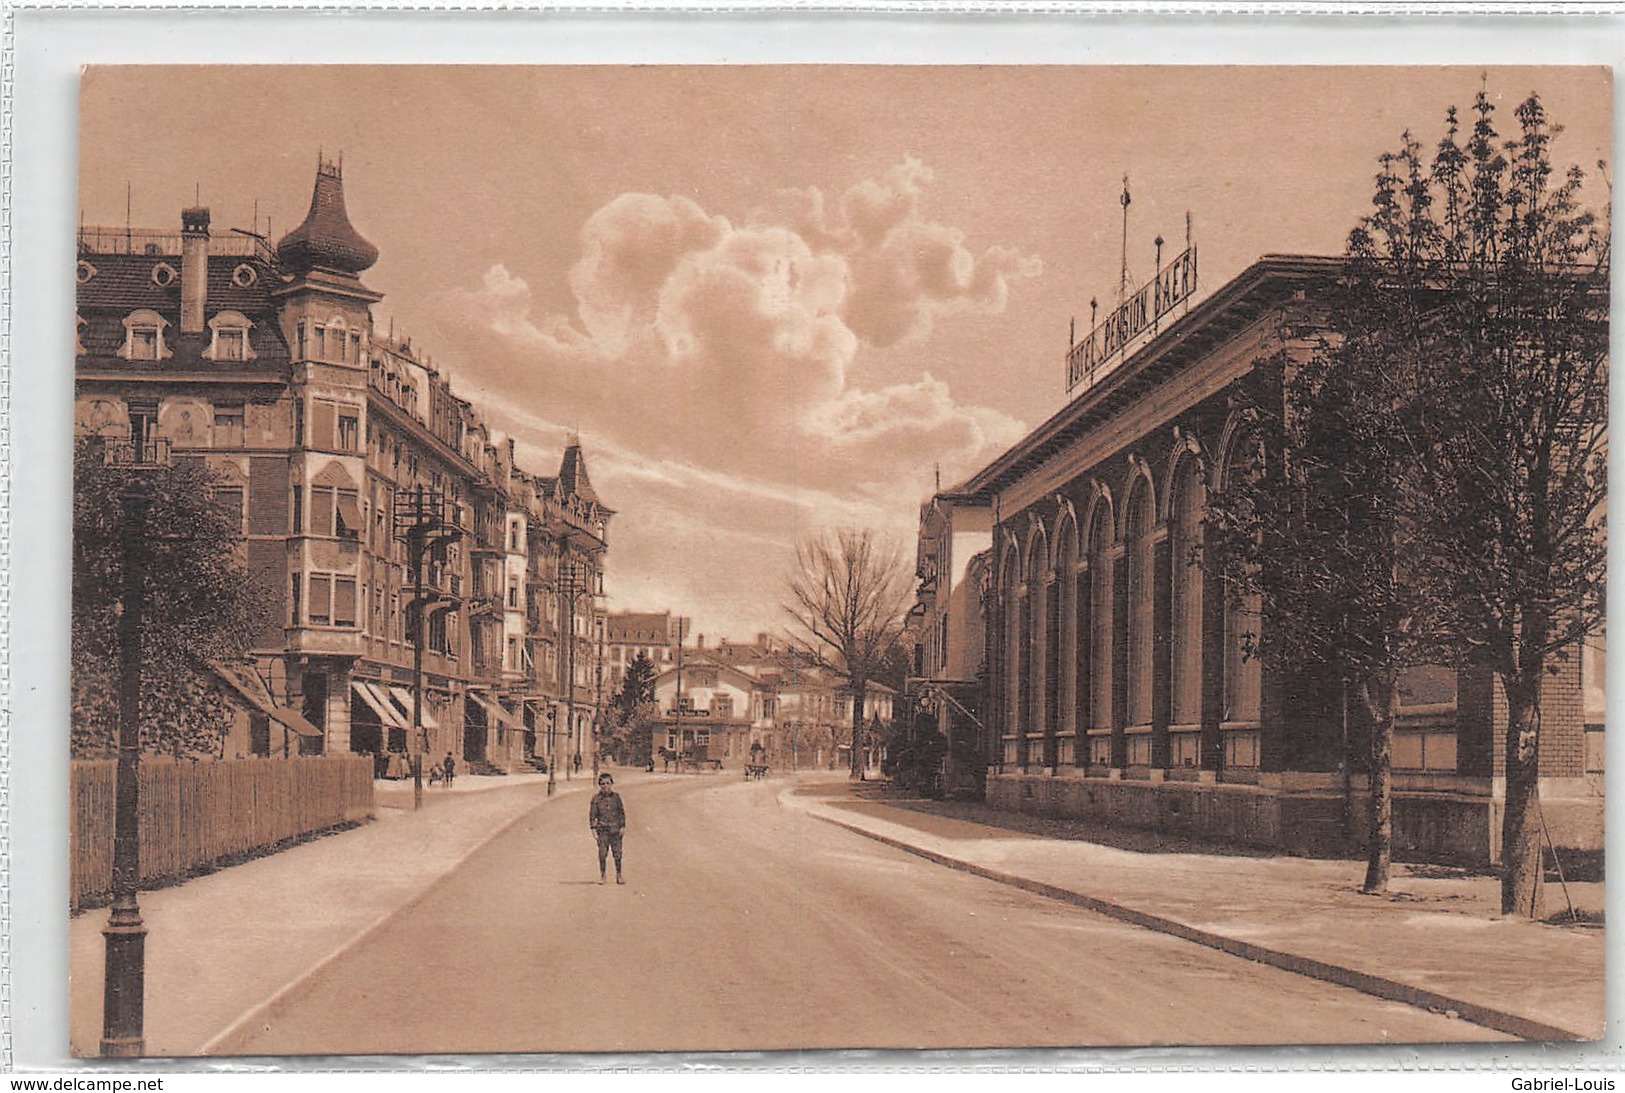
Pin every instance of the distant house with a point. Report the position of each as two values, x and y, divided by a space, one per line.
709 710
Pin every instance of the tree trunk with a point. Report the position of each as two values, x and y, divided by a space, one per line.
1523 889
1381 695
860 689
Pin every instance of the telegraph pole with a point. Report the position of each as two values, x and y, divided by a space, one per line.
420 522
678 712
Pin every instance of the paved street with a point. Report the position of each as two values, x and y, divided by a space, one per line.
746 924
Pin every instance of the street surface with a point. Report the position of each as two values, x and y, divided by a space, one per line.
748 925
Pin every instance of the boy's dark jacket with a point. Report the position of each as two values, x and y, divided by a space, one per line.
607 812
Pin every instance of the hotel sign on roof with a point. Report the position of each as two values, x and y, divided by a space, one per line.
1173 285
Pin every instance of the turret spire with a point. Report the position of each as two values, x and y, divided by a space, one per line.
326 239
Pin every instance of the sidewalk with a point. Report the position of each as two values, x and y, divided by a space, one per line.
220 947
1435 940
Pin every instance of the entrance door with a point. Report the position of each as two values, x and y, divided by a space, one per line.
474 730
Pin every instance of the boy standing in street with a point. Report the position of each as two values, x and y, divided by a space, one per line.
607 819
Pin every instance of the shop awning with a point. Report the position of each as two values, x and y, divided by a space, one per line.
246 683
295 721
379 703
494 709
404 697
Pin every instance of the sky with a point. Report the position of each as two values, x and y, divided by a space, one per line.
775 300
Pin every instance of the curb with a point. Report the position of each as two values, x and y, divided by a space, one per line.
287 992
1391 990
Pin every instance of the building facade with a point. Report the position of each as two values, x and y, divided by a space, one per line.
654 634
949 624
1120 683
372 498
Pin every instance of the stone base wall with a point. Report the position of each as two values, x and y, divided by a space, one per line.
1445 828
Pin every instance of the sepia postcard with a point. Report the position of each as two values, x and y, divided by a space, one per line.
779 558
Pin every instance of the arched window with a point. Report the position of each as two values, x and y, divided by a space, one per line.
1186 590
1139 556
1101 629
332 340
1243 672
1064 661
1185 600
1014 602
1035 642
229 337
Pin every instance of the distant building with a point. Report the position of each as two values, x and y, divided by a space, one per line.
328 438
656 635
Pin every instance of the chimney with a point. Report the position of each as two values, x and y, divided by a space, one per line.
194 268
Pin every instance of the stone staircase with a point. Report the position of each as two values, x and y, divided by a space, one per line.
481 767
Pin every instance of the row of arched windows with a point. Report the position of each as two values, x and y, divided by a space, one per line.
1088 597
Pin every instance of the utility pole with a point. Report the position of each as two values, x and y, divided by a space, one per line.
598 695
420 522
571 589
575 580
678 713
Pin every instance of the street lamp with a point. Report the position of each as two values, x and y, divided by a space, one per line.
124 979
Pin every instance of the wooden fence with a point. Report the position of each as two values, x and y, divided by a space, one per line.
199 814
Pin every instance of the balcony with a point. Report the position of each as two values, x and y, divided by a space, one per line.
147 453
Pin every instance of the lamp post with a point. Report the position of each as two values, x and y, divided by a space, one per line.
124 980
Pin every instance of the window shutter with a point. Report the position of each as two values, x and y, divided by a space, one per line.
320 599
321 510
323 425
344 602
268 496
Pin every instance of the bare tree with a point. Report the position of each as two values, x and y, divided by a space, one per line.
849 598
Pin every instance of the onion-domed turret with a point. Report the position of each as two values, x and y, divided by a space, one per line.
326 239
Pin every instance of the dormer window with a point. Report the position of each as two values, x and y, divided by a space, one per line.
164 275
78 328
144 337
230 337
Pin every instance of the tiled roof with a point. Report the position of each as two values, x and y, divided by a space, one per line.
123 282
573 477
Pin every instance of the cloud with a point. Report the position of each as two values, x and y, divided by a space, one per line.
715 367
906 270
